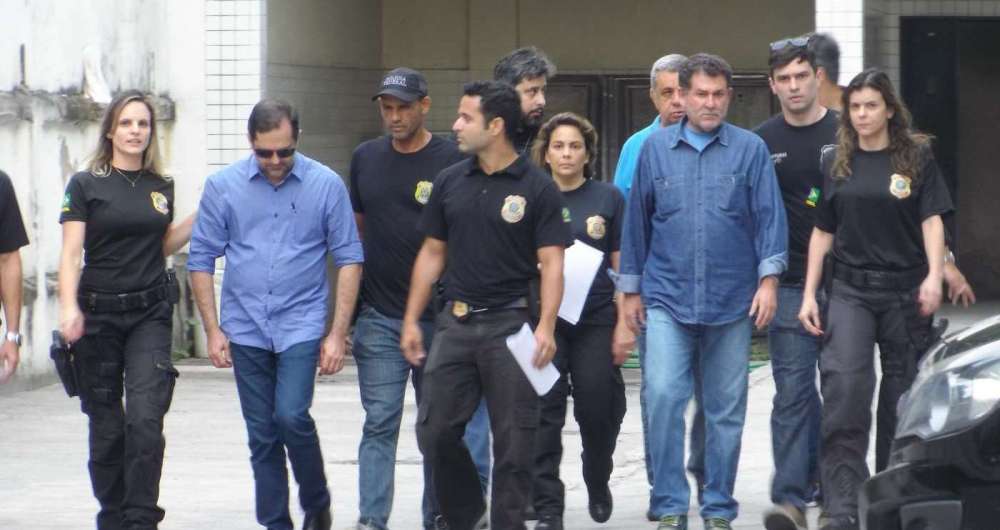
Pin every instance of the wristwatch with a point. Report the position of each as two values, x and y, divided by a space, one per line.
14 337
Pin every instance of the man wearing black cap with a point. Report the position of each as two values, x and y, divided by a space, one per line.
496 221
391 180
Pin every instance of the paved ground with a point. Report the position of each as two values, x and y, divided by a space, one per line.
206 479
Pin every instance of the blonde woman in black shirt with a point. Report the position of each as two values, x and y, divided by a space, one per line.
117 312
880 216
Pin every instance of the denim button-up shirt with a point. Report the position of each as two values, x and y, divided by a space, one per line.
275 240
703 226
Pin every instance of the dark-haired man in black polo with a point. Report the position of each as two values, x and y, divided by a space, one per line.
496 221
527 70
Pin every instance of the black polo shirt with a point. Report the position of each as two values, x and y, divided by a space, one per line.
494 225
126 223
795 153
596 210
12 234
875 214
390 189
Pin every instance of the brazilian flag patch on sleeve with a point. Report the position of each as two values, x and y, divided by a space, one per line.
813 197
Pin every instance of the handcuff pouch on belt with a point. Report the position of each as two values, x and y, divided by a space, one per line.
62 355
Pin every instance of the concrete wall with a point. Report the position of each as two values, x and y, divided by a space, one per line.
154 46
325 58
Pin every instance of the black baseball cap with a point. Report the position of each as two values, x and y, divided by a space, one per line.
404 83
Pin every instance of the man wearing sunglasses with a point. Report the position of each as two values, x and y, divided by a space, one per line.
275 216
795 138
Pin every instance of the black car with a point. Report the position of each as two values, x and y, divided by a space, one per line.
944 472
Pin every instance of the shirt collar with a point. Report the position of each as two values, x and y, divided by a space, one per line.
253 167
517 169
676 135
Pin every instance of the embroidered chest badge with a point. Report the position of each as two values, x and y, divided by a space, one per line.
596 227
160 202
513 208
566 216
813 197
899 186
423 191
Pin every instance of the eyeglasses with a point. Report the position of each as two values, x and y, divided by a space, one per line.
268 153
798 42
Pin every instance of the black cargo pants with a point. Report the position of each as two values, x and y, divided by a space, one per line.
587 372
126 354
468 360
856 320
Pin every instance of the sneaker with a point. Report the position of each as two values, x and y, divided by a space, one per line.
785 517
365 524
717 523
673 522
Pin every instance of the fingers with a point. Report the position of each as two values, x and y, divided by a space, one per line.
811 322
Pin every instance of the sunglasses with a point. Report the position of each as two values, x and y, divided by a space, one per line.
268 153
798 42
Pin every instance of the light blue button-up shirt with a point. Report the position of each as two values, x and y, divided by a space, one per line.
629 157
275 240
703 226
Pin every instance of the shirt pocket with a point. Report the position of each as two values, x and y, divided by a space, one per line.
669 196
731 193
308 227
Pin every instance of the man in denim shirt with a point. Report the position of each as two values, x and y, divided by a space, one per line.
705 239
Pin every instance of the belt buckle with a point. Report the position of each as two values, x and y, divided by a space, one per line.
459 309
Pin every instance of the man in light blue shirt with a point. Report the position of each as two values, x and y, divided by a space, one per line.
275 216
704 241
665 93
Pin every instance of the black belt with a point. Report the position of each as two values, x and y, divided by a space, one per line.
108 302
462 309
871 279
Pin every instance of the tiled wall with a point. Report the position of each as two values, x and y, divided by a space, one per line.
844 19
882 18
233 51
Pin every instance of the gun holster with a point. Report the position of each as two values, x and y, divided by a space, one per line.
62 355
173 289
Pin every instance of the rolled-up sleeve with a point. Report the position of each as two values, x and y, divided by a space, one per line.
770 222
637 227
342 233
210 234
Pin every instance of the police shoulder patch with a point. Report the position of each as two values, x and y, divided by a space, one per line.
513 208
422 193
67 201
160 202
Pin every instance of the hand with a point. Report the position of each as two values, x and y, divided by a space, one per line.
331 354
545 346
218 349
958 288
809 315
71 324
411 342
929 296
8 360
765 302
635 314
622 343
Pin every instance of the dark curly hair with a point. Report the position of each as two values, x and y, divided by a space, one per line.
545 136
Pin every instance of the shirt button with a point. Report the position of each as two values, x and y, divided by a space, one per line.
269 291
275 216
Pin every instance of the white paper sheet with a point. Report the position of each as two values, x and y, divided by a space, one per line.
522 345
579 269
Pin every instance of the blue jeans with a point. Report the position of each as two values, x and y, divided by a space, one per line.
723 352
795 417
276 391
382 375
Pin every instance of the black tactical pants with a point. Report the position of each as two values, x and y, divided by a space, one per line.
126 353
469 360
856 320
587 371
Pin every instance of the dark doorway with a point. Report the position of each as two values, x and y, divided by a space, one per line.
619 105
950 80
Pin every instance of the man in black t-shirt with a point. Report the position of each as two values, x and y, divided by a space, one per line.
12 238
496 221
527 70
391 180
795 139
